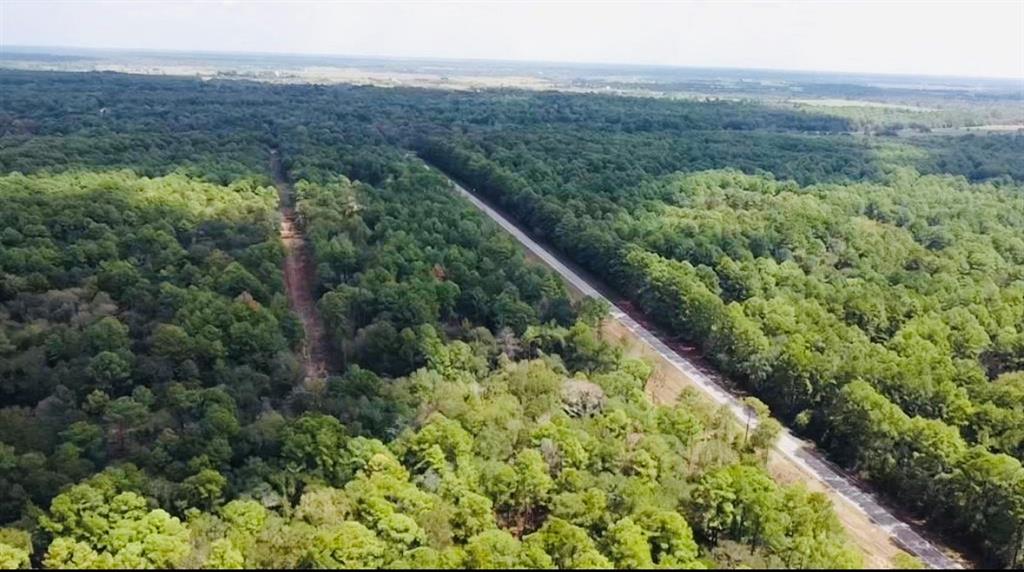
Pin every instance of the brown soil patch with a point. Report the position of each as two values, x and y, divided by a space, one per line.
300 277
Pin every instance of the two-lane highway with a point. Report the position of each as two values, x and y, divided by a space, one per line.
796 450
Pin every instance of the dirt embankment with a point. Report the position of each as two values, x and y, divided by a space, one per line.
300 276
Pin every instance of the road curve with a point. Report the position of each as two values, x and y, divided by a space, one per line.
796 450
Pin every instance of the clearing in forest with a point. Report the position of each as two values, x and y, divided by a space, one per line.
300 276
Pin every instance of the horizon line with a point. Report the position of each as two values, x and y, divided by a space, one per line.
1019 79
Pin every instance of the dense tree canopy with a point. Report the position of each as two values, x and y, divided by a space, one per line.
154 412
911 285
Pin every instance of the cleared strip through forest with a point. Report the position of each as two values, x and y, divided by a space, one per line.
300 276
793 449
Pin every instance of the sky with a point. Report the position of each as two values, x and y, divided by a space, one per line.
979 38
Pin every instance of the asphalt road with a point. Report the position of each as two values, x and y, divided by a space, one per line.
796 450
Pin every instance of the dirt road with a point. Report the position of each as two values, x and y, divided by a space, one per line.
300 276
876 525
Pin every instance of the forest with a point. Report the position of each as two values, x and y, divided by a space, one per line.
868 290
883 319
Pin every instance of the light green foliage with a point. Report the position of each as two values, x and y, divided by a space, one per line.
533 482
908 283
12 557
472 514
143 319
224 556
400 532
346 545
322 505
907 562
95 526
569 546
588 508
670 539
744 504
494 549
425 558
627 545
245 521
578 493
15 549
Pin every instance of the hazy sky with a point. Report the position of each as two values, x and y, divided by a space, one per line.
945 38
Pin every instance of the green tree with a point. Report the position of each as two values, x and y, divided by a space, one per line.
95 526
315 444
346 545
627 545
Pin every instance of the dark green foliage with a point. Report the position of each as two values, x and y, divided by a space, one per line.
408 254
146 346
913 285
